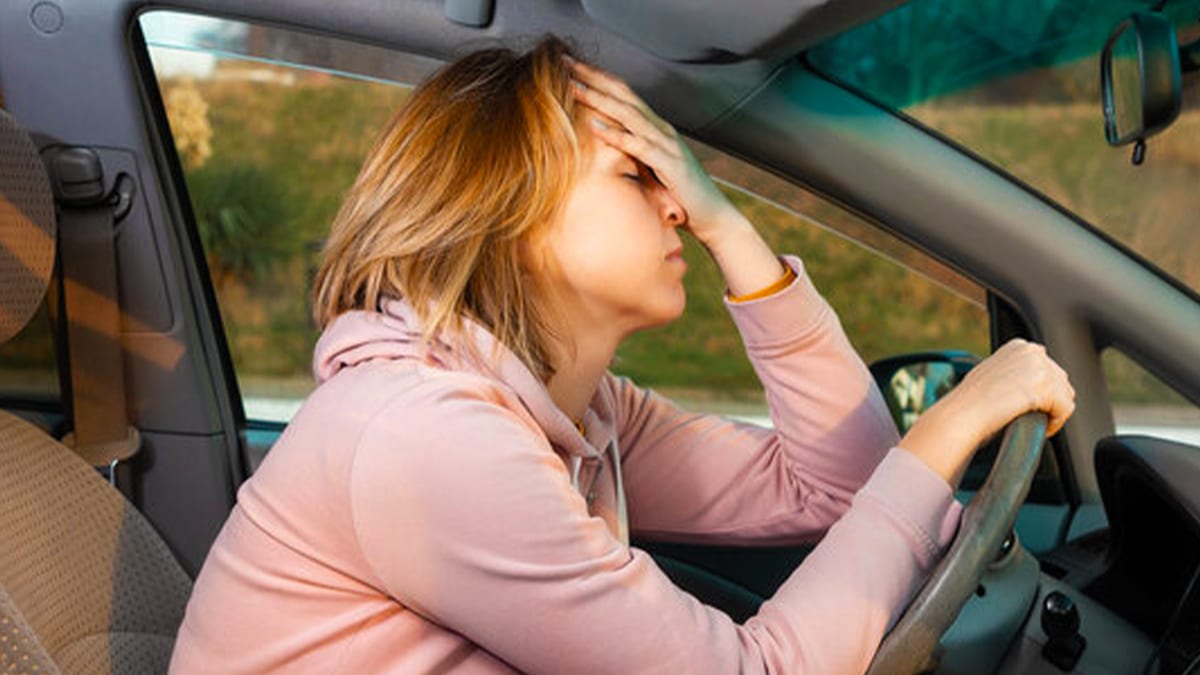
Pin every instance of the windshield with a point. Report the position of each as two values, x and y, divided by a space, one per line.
1017 82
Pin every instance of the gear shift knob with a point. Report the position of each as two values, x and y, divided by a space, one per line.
1060 620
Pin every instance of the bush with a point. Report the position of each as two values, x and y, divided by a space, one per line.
245 216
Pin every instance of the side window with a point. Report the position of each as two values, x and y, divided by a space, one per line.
891 298
1143 404
270 127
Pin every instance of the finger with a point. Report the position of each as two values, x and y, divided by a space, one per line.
1031 350
1059 419
597 78
636 146
624 113
1062 406
1066 382
1013 344
1059 415
611 85
1061 380
612 107
654 156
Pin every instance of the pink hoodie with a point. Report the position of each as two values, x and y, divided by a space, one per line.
426 513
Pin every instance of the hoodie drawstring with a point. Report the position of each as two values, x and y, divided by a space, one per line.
622 516
618 487
576 464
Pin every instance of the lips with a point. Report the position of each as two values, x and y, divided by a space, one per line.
675 260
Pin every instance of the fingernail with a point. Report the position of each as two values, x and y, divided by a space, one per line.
599 124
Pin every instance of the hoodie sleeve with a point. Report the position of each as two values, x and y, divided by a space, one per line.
467 517
704 478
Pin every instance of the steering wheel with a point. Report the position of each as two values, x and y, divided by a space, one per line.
985 523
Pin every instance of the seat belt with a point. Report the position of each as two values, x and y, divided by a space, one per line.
101 432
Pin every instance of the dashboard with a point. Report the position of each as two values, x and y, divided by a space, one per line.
1151 493
1135 586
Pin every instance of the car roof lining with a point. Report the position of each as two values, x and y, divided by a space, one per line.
723 32
667 52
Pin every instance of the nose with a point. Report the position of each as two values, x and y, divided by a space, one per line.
670 211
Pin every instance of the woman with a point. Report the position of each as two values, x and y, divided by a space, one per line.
457 495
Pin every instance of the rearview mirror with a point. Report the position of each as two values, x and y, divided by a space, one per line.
911 383
1140 79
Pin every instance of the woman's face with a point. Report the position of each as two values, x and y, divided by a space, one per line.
617 257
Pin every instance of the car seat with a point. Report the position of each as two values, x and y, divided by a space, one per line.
86 584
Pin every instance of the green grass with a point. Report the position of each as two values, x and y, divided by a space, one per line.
1060 151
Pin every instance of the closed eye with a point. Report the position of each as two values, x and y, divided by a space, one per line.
638 172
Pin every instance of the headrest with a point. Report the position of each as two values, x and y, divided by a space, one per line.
27 228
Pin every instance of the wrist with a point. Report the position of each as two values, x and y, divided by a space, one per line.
944 437
723 229
745 260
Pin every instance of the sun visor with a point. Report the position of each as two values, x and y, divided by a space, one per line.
726 31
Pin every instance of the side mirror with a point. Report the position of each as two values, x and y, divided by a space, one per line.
911 383
1140 80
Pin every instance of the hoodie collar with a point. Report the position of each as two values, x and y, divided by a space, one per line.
394 334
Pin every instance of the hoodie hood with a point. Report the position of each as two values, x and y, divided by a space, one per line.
394 334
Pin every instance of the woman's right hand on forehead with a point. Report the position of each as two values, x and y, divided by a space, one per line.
628 124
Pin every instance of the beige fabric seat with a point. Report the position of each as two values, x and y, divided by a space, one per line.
86 584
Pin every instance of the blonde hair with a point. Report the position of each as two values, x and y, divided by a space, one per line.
466 174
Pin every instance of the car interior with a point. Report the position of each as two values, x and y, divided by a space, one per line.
1079 553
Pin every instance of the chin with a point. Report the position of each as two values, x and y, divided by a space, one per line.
678 311
669 313
664 310
680 304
